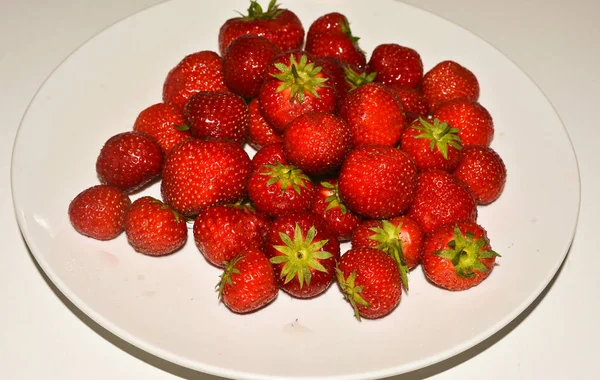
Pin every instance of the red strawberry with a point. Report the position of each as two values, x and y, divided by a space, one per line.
248 282
268 155
260 133
303 250
280 189
474 123
223 231
99 212
299 88
153 228
317 142
395 64
217 116
448 80
333 43
329 205
198 174
245 64
330 21
483 170
164 123
280 26
413 102
337 73
441 199
432 144
370 281
374 115
378 181
129 160
458 256
202 71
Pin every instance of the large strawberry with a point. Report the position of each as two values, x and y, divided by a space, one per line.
329 205
260 133
396 64
303 250
269 155
449 80
164 123
483 170
474 123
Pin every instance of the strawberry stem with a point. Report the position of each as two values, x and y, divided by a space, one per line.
441 135
301 78
351 291
390 242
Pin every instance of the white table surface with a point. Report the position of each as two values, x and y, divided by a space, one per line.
557 43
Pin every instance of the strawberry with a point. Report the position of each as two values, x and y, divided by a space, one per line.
396 64
260 133
99 212
432 144
223 231
458 256
483 170
370 281
300 87
129 160
164 123
198 174
280 26
248 282
374 115
202 71
268 155
153 228
441 199
317 143
279 189
217 116
413 102
329 205
245 64
449 80
378 181
474 123
303 250
329 21
337 73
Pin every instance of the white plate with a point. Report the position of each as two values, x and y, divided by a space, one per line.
169 307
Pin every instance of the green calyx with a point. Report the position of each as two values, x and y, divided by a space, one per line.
183 127
300 77
286 176
350 290
334 199
164 206
345 26
441 135
300 255
230 270
388 237
355 79
256 12
466 253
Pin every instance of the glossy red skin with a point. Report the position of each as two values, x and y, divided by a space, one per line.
269 155
317 143
320 281
285 58
411 237
378 181
483 170
245 64
129 160
475 124
99 212
160 121
413 102
270 200
152 229
285 31
440 270
334 43
419 149
396 64
441 199
374 115
217 116
222 232
449 80
379 277
335 68
202 71
254 286
329 21
198 174
343 224
260 133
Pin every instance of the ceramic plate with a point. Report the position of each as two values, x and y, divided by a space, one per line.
168 306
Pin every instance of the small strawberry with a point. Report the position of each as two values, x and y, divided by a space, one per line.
449 80
458 256
129 160
413 102
198 174
153 228
202 71
370 281
329 205
396 64
217 116
260 133
248 282
303 250
329 21
269 155
483 170
474 123
99 212
164 123
336 68
378 181
221 232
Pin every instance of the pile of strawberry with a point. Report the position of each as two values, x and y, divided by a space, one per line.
374 152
